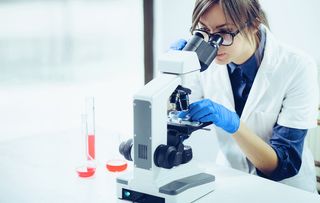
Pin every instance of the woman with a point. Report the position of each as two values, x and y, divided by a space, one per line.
261 95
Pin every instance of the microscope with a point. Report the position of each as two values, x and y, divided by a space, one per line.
163 168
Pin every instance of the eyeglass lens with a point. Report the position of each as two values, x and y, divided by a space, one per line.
227 37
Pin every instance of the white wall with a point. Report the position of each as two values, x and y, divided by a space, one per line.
172 22
295 22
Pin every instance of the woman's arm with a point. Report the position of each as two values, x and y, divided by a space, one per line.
278 159
257 151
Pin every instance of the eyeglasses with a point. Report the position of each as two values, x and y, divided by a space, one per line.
228 37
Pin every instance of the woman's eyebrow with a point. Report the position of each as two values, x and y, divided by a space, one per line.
221 26
202 25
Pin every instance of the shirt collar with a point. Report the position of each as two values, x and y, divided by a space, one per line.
250 67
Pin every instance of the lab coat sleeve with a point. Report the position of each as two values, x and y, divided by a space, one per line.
300 105
193 82
288 145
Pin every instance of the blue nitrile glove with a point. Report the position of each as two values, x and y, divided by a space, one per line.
178 45
207 110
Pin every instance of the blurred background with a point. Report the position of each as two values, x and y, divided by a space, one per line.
54 53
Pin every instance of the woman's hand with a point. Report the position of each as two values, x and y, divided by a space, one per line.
209 111
178 45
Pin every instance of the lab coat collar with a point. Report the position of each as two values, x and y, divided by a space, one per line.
249 68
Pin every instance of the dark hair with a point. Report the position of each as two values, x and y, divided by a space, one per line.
239 12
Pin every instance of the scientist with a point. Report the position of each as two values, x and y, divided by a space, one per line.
261 95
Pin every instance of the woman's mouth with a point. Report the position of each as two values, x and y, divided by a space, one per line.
221 55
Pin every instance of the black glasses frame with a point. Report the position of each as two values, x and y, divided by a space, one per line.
211 35
232 34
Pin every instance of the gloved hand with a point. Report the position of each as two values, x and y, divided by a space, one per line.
178 45
207 110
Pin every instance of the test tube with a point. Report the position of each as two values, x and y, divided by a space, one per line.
90 122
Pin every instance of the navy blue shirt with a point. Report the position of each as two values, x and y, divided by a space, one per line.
287 142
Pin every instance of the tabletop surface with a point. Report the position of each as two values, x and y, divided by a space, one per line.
42 169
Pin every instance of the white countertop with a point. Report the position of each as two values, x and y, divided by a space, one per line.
42 169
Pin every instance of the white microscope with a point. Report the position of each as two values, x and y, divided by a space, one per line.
163 171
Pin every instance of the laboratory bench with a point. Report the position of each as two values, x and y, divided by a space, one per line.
41 168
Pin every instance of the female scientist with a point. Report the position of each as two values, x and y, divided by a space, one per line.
261 95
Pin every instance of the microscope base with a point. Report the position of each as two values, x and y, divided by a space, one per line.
183 190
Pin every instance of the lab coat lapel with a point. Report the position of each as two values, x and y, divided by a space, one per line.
225 94
257 91
263 77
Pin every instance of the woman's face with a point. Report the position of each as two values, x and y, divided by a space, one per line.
214 20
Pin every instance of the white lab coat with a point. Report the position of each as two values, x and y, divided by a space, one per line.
285 90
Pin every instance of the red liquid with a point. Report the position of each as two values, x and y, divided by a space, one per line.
85 172
91 147
116 165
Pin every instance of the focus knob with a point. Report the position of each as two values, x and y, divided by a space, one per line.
125 149
166 156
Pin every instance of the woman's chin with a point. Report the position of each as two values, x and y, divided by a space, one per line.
221 62
221 59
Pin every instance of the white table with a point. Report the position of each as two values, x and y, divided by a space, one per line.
42 169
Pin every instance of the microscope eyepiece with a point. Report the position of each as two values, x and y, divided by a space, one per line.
199 35
215 40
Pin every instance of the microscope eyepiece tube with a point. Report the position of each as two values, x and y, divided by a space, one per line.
206 51
194 42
